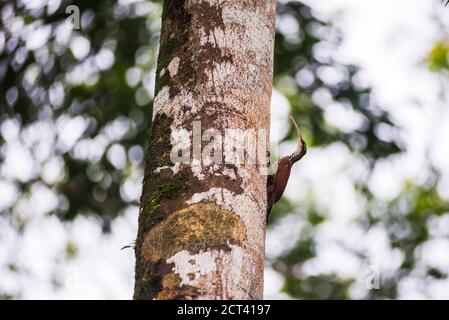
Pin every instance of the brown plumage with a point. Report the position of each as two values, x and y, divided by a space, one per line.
277 182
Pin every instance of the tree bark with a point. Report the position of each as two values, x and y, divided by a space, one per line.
202 216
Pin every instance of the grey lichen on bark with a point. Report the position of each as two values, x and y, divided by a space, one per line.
201 224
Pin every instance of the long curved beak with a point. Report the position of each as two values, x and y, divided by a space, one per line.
301 148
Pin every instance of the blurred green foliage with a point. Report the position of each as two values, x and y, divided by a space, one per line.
438 58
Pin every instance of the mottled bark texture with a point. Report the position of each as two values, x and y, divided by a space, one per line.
202 223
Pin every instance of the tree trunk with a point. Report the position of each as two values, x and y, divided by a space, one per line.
202 216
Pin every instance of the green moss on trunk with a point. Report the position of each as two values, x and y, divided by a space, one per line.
198 227
174 35
164 188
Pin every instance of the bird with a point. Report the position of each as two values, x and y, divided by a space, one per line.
277 182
